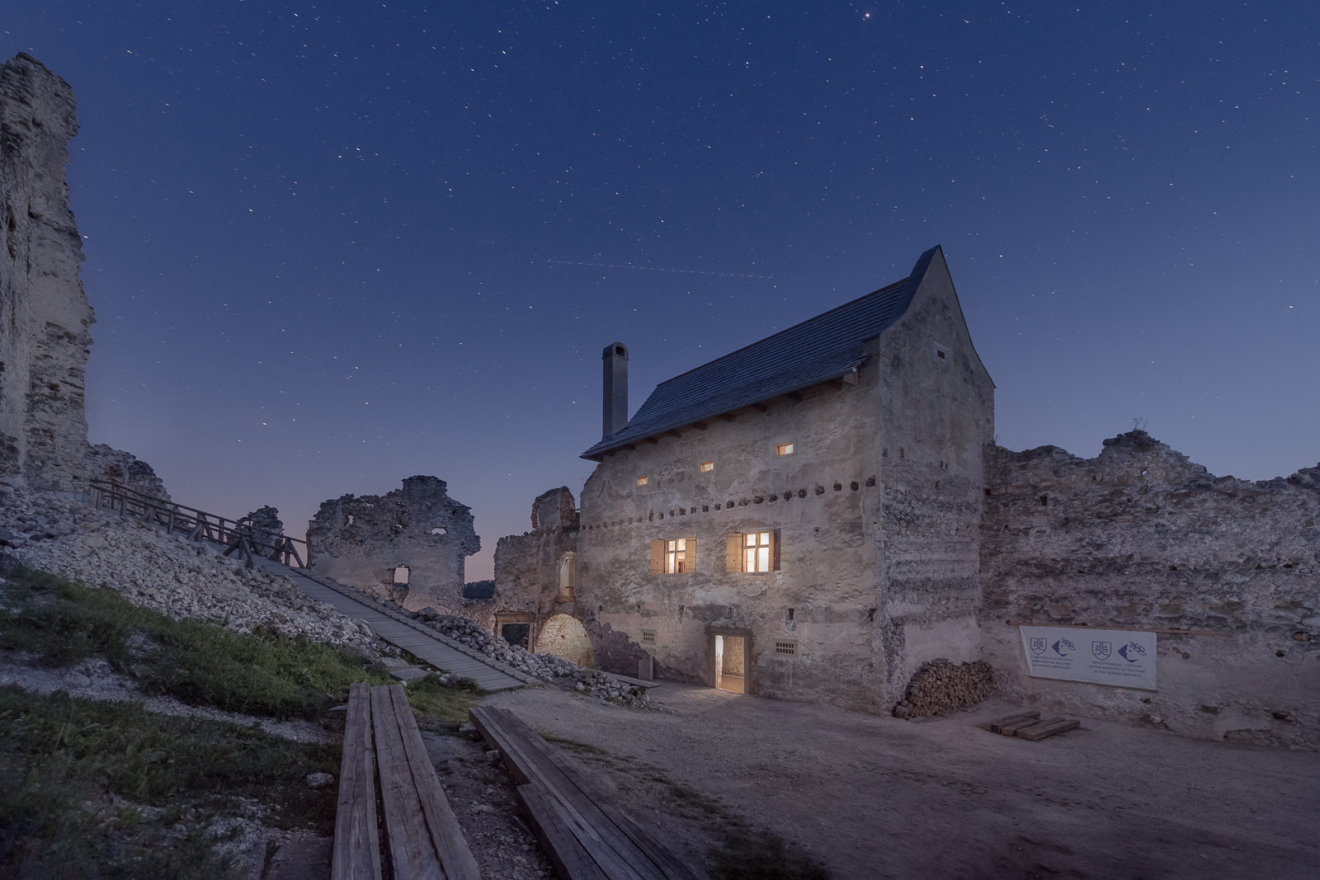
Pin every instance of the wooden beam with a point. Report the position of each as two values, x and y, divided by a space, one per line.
357 845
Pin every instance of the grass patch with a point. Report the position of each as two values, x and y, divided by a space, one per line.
60 757
197 662
440 708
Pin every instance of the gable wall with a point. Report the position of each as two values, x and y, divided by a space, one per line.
936 416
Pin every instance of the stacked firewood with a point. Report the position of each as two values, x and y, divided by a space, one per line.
941 686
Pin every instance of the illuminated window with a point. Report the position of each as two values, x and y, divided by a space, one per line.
784 449
642 481
676 556
673 555
756 552
707 466
752 552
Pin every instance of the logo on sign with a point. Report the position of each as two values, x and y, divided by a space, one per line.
1102 650
1063 647
1038 646
1132 652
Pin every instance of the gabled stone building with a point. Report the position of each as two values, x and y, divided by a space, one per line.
820 514
799 518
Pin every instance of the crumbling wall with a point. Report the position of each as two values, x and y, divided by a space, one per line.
1225 571
44 316
124 468
529 567
360 542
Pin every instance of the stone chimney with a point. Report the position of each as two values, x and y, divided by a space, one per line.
615 357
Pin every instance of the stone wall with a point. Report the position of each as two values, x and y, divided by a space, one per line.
1225 571
530 566
360 541
43 312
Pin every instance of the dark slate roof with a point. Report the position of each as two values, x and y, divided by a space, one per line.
817 350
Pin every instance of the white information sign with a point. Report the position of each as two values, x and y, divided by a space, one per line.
1103 656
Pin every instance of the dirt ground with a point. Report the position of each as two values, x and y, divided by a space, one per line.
870 797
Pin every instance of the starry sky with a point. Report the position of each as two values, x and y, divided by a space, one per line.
333 245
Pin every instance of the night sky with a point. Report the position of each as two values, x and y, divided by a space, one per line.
331 246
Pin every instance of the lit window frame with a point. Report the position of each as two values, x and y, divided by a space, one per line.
676 556
758 552
707 467
783 449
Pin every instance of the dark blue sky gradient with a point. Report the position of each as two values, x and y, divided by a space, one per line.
334 245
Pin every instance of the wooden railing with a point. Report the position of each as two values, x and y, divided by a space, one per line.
238 536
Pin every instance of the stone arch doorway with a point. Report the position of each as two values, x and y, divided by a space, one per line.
565 637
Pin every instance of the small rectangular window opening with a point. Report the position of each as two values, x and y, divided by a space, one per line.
676 556
648 637
642 481
784 449
707 466
786 647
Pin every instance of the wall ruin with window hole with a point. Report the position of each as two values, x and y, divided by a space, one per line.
1225 571
530 568
361 541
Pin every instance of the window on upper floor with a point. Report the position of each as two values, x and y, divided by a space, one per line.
642 481
753 552
707 467
784 449
673 555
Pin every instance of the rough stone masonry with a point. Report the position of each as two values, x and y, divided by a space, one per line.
44 315
408 545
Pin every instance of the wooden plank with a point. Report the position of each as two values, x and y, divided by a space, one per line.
668 862
446 835
411 854
1048 728
1011 728
357 843
997 725
570 859
537 761
587 824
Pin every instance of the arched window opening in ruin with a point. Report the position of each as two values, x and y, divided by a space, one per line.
439 530
400 574
565 637
567 576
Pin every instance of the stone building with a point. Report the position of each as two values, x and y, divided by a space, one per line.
409 544
799 518
820 514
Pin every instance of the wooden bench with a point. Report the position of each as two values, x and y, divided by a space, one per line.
424 840
585 835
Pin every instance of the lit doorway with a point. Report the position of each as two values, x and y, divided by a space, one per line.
731 663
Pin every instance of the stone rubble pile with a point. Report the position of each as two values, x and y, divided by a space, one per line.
165 572
940 687
546 667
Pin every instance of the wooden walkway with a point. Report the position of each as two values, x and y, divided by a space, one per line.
584 832
403 632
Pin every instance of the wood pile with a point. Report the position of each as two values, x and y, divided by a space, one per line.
941 686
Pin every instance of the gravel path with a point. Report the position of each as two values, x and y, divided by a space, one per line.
872 797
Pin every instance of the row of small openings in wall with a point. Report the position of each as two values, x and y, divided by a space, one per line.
708 466
730 504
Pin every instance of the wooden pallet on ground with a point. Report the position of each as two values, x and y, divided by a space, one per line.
585 835
1030 726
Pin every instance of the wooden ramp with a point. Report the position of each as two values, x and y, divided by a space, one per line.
403 632
586 836
423 836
